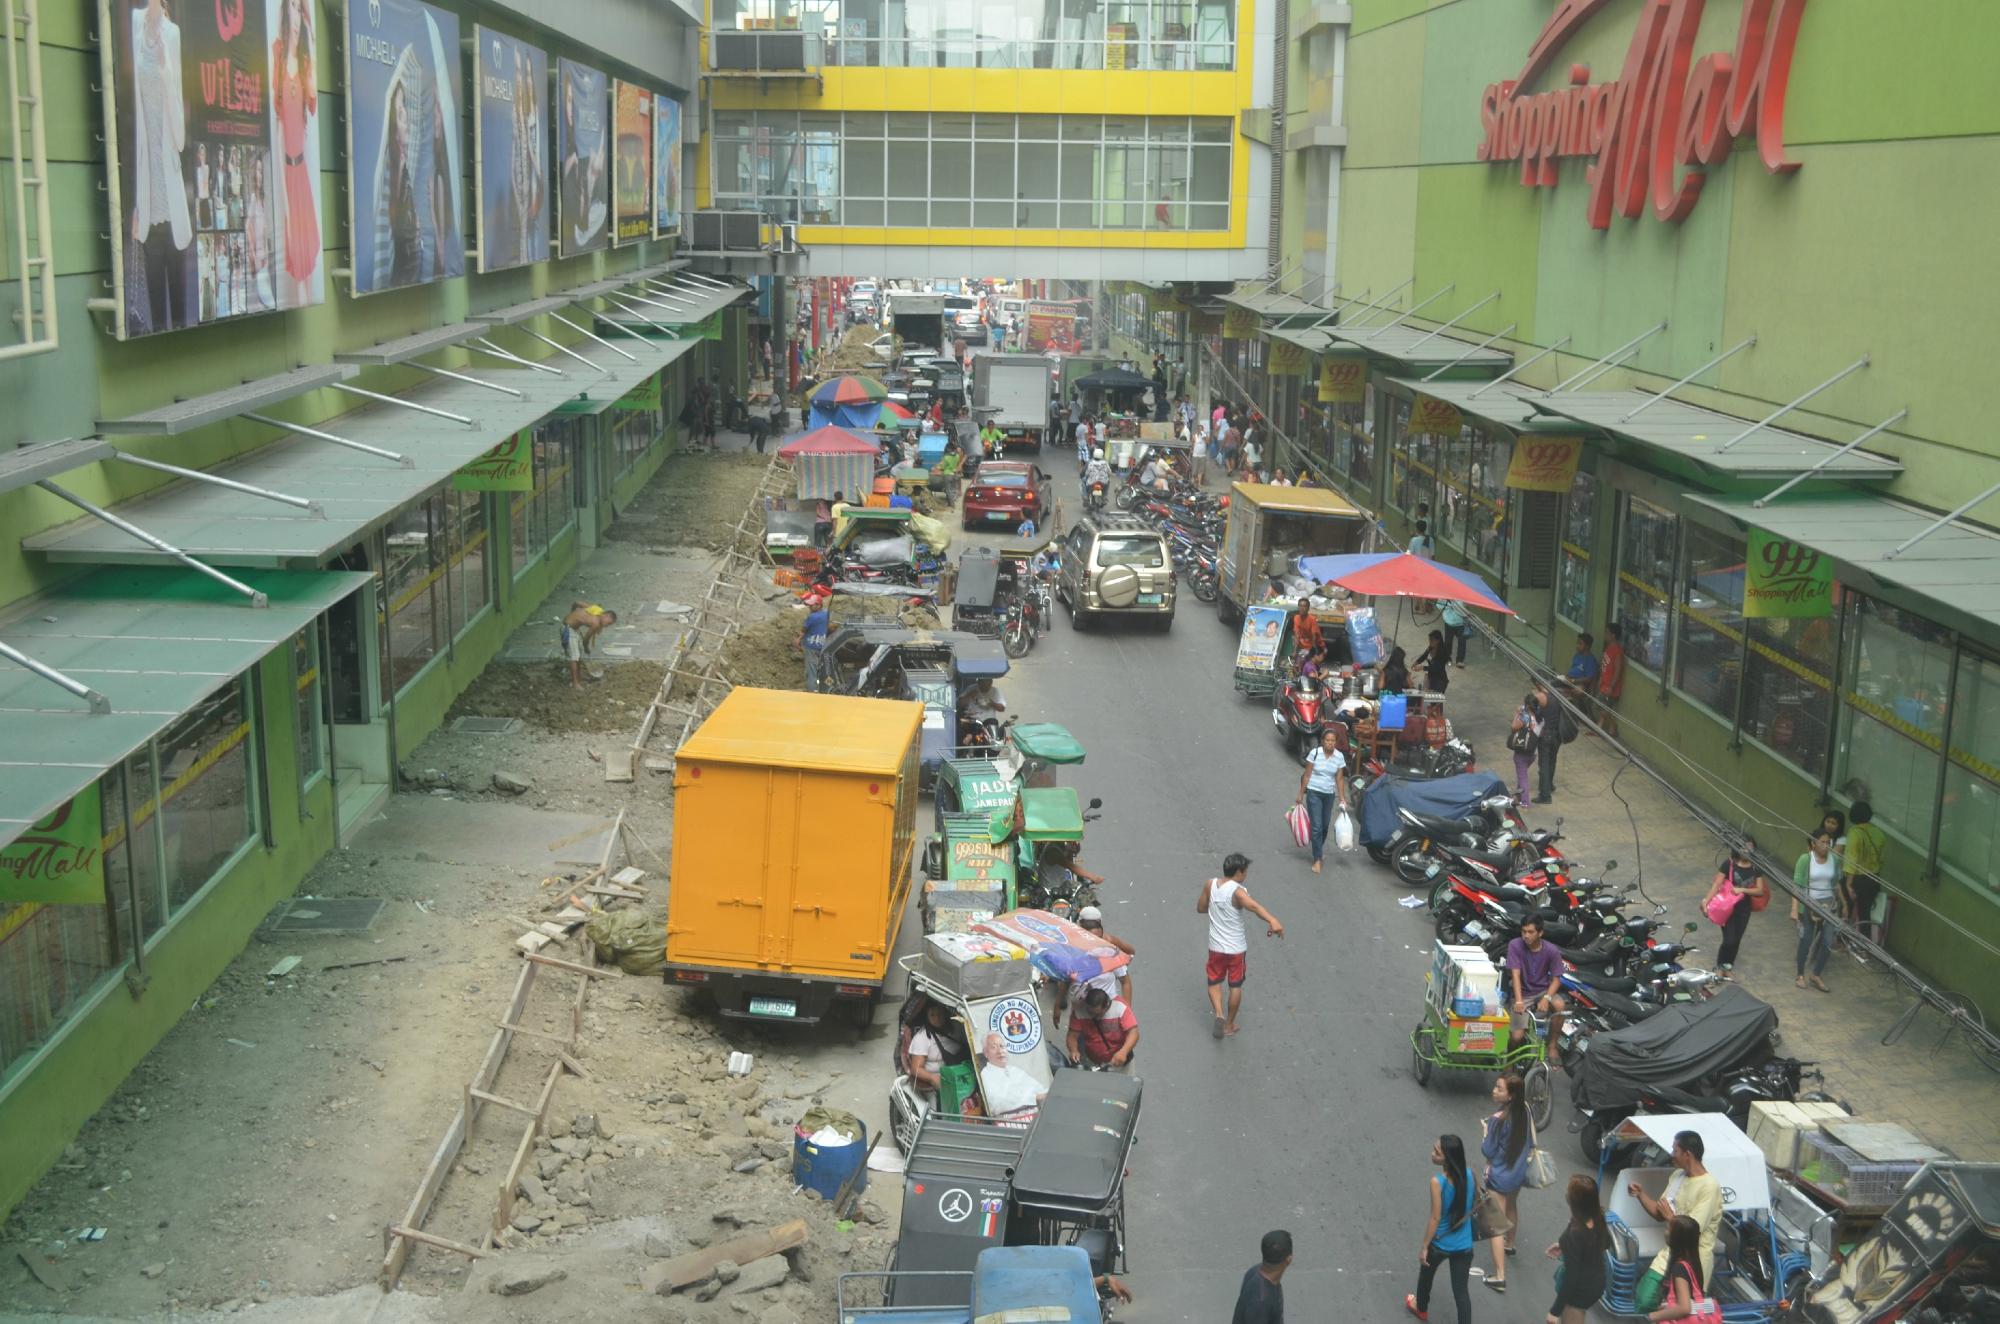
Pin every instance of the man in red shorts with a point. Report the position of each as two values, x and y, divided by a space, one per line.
1224 900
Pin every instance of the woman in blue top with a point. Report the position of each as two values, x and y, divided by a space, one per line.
1448 1232
1505 1149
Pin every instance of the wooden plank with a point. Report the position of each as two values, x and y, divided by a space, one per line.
629 876
504 1208
576 1068
502 1100
442 1243
538 1034
572 966
698 1266
454 1136
618 892
530 943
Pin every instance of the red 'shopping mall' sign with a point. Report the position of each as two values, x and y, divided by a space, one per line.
1666 109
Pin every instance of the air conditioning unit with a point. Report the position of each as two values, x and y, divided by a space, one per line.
721 231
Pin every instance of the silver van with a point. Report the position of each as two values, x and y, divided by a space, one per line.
1116 565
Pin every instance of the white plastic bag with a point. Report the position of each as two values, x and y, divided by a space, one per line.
1344 835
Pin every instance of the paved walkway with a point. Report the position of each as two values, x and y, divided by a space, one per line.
1933 1086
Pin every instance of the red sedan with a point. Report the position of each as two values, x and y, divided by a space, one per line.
1007 492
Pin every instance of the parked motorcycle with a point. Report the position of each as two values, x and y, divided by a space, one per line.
1492 826
1299 710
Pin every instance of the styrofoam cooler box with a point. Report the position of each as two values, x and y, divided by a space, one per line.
1776 1128
1446 959
976 965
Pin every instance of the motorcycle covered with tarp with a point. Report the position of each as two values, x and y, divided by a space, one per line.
1440 797
1673 1060
1933 1259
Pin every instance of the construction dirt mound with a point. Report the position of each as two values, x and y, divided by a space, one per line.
762 655
694 501
539 694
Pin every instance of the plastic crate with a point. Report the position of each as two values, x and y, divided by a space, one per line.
1858 1183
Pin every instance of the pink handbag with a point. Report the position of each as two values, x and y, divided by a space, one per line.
1301 827
1723 904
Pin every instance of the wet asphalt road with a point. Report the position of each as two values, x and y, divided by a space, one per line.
1309 1119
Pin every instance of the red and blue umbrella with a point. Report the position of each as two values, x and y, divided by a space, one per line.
850 391
1401 575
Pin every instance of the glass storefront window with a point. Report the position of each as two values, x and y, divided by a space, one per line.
634 428
419 615
541 516
1578 540
1788 688
1487 522
1969 836
1709 654
1894 675
206 809
310 737
465 539
1646 559
52 959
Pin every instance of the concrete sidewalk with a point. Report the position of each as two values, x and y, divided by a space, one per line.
1927 1081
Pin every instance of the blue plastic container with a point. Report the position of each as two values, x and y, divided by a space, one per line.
826 1168
1395 712
1467 1007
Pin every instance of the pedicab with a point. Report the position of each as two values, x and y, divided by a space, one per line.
1756 1266
1465 1028
1005 1283
968 877
982 778
976 605
1934 1257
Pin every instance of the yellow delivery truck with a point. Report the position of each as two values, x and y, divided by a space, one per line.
794 831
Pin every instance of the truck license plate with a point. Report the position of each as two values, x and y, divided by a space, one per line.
1149 599
773 1007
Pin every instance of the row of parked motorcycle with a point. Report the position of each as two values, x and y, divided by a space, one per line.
1483 871
1190 519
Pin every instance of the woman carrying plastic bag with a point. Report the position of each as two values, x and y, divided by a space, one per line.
1322 783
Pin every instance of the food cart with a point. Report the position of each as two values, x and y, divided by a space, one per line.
1465 1029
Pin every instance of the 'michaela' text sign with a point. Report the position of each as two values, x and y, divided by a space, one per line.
1666 110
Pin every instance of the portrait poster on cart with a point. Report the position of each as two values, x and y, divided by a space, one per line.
212 117
632 163
510 170
666 166
404 151
583 184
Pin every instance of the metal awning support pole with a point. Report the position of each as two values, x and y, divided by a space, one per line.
565 349
1374 303
709 281
592 335
1333 310
158 544
1438 331
218 480
1535 358
401 403
469 380
1611 360
1504 331
98 703
304 431
675 307
1914 538
1414 309
688 298
485 346
1784 409
628 308
1649 403
1829 458
1265 288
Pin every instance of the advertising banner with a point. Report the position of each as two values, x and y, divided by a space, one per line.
1263 628
59 859
1343 381
1239 324
1052 326
1544 464
666 166
212 114
632 163
1287 359
405 153
510 175
1786 580
583 185
1434 417
508 467
646 395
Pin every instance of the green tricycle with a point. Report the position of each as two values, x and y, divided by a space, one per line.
1446 1041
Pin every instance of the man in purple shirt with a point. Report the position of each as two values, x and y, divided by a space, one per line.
1535 970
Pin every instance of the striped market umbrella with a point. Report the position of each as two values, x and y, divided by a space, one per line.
850 391
894 410
831 460
1401 575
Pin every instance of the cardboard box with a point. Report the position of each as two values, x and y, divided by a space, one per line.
974 965
1776 1128
1476 1034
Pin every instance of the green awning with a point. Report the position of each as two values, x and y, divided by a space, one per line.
1048 742
1501 404
1954 572
1709 439
1273 304
155 643
1051 813
620 376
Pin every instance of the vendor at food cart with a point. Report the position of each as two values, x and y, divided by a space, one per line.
1009 1090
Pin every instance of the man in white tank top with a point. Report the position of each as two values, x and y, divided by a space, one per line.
1224 900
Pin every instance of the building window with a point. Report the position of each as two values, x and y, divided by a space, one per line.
414 582
1709 654
545 513
1484 523
1895 674
1788 689
1579 538
471 585
1969 836
52 958
308 713
991 171
207 812
1039 34
636 423
1646 560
